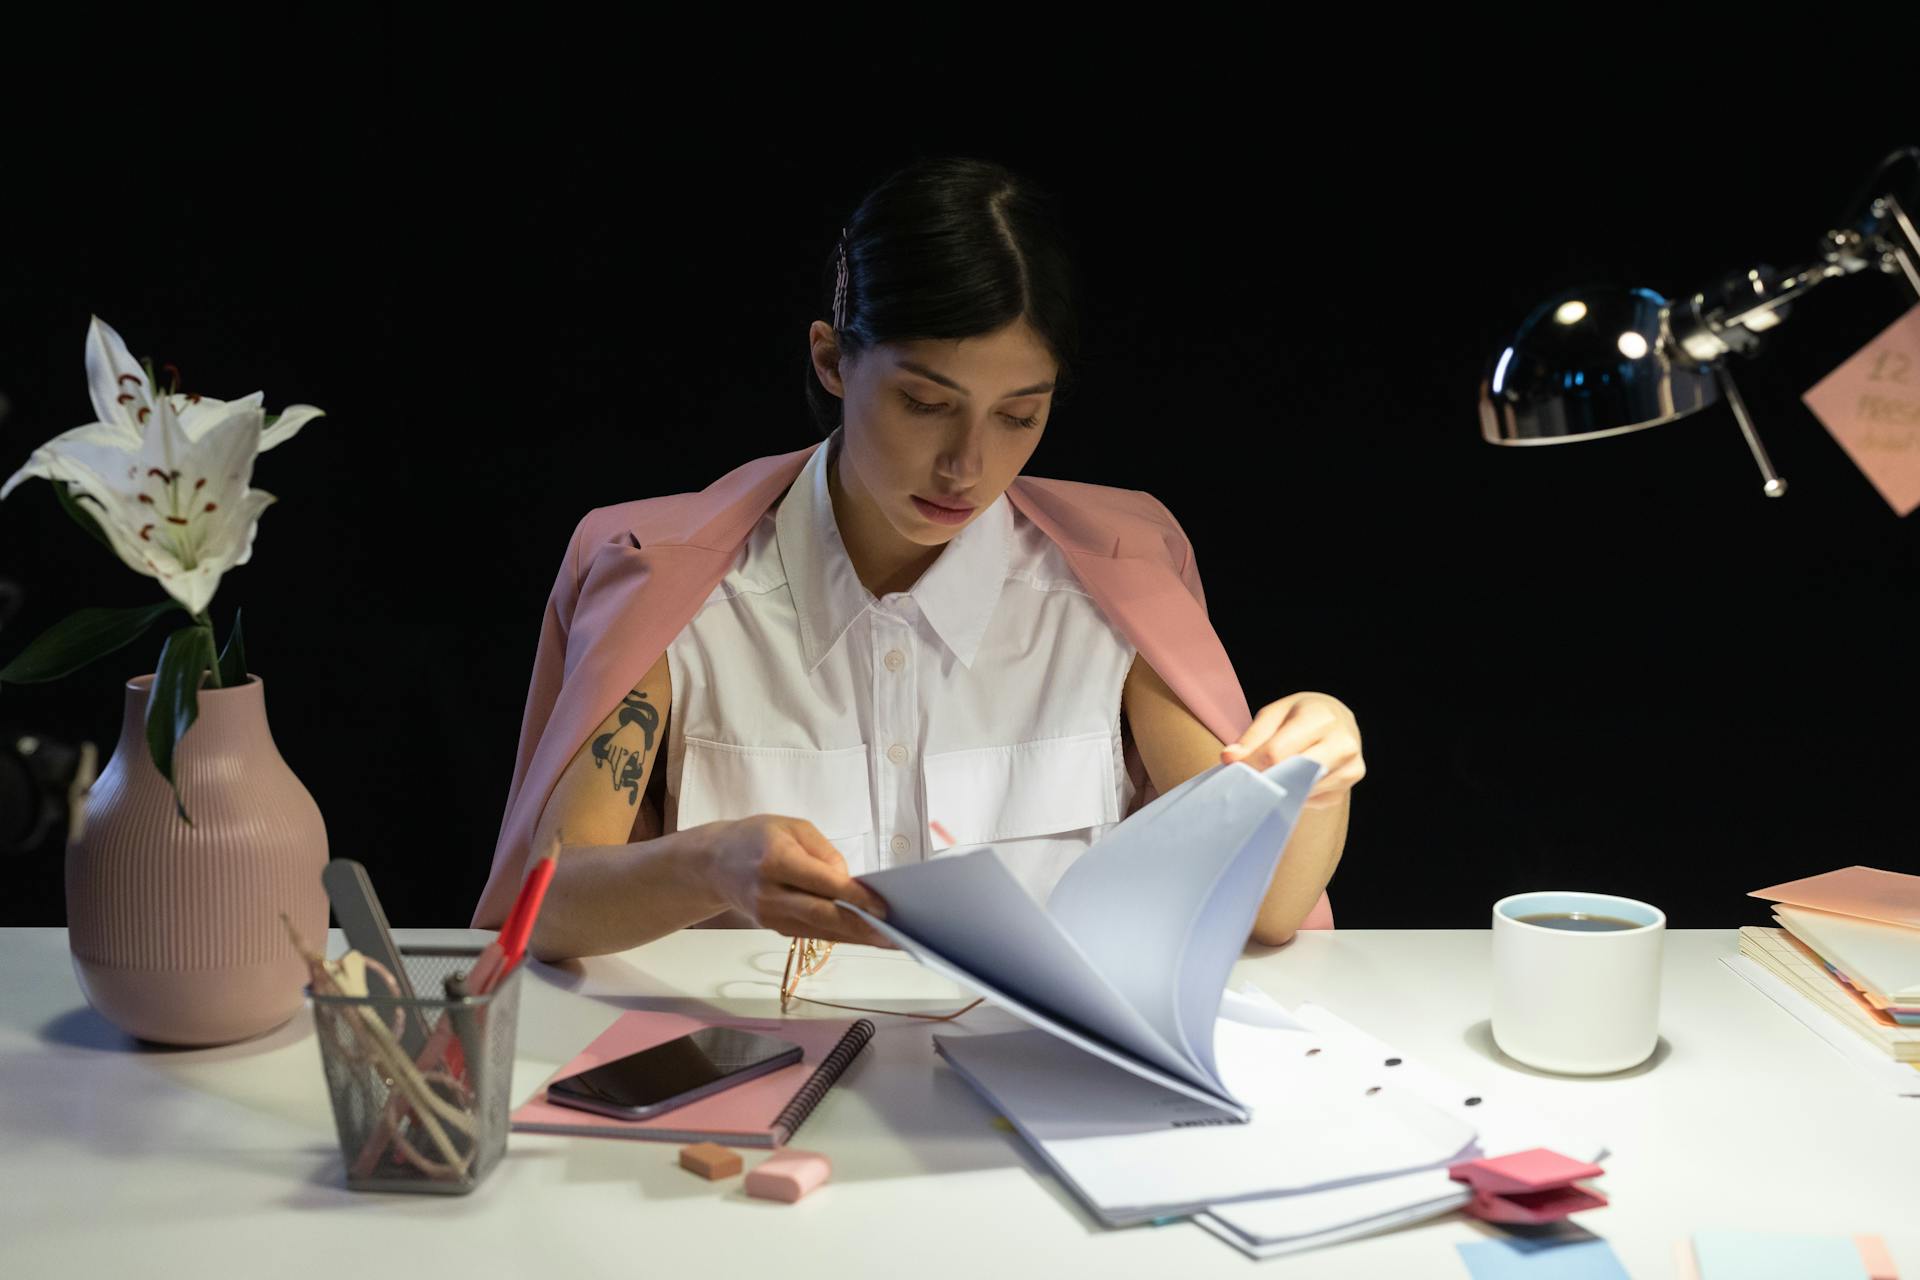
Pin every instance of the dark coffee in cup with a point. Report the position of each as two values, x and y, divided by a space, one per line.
1578 921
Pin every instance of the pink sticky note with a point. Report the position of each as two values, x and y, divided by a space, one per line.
1536 1169
1873 1253
1549 1205
1891 897
1871 405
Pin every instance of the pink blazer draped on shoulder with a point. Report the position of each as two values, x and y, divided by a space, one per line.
636 572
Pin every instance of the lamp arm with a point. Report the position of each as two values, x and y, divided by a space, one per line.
1731 314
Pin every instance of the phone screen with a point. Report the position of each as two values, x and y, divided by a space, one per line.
692 1064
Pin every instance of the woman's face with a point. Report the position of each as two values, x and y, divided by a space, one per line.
936 430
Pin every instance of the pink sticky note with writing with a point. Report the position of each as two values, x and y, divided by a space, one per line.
1891 897
1871 405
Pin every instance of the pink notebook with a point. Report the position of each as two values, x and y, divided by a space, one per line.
763 1112
1890 897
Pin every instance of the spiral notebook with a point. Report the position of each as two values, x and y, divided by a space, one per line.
762 1112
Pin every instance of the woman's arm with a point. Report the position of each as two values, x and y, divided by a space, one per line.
607 894
1175 746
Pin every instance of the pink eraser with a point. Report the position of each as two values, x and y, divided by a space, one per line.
788 1175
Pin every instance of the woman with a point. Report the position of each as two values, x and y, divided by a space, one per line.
870 651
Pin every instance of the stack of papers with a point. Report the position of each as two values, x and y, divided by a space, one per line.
1276 1132
1850 941
1134 1152
1271 1226
1341 1144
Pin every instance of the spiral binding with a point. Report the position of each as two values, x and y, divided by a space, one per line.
823 1079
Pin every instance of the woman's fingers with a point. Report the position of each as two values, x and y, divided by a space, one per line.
820 868
806 915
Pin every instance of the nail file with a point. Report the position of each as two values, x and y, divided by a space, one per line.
358 909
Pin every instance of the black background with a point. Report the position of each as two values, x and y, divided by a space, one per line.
1613 665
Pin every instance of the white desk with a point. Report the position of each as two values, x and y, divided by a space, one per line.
118 1161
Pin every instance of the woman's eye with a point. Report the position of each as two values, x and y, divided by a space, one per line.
917 406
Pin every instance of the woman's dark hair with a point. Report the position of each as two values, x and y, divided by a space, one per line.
951 247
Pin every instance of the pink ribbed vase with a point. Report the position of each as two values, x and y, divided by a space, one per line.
175 929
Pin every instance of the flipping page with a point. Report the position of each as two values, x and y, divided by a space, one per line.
1130 954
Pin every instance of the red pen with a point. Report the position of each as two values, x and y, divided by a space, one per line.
513 938
495 961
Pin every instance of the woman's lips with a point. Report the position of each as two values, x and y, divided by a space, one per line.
939 514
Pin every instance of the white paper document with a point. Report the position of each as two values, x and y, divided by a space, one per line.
1295 1222
1325 1112
1128 958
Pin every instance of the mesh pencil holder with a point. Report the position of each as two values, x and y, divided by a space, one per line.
419 1086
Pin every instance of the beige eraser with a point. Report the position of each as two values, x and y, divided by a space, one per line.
788 1175
710 1160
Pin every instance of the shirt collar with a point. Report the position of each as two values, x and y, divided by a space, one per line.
957 593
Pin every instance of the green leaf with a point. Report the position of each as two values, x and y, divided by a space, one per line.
83 517
269 421
81 638
233 658
173 704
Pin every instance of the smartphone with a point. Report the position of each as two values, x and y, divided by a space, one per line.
645 1084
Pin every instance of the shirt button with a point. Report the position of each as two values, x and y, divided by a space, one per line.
897 753
900 844
895 659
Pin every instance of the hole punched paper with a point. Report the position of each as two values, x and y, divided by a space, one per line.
1128 961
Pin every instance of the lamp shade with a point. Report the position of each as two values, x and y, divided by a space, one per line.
1588 363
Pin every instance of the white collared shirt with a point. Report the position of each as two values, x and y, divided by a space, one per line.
986 698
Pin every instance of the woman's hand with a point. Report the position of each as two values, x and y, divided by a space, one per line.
1316 725
782 874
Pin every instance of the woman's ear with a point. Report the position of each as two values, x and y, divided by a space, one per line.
827 358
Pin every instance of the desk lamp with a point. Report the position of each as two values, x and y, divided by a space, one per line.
1603 361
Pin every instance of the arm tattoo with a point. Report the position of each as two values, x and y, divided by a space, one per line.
624 764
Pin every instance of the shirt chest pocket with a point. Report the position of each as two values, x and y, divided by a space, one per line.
720 781
1048 787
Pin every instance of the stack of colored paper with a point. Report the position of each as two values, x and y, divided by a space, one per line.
1850 940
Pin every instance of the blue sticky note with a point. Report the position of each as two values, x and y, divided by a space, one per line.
1584 1257
1770 1255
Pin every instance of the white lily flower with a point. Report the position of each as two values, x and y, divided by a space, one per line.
119 388
174 507
123 401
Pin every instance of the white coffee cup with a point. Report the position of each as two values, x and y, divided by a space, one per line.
1574 1002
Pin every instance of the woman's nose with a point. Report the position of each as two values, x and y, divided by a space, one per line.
961 461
